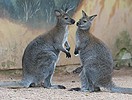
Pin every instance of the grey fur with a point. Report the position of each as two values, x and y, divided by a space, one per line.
96 60
41 55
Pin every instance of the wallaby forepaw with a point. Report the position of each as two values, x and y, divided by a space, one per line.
68 55
68 48
76 52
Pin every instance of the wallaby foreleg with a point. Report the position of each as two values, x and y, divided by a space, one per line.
67 46
79 46
60 47
76 51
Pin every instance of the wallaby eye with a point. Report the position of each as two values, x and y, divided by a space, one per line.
66 18
84 21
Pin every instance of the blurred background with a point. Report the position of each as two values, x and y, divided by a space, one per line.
22 20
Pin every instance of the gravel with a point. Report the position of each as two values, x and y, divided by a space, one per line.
121 77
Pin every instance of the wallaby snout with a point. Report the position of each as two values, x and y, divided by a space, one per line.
72 21
77 24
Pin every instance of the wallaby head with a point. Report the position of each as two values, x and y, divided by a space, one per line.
85 22
63 17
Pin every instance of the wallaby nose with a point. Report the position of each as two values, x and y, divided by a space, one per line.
77 24
72 21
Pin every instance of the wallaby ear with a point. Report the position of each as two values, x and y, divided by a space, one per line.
57 13
92 17
69 9
84 14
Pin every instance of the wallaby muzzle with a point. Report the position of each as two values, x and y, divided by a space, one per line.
77 24
72 21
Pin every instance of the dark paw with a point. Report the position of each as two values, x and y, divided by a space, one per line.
75 89
68 48
68 55
32 85
61 87
97 89
76 52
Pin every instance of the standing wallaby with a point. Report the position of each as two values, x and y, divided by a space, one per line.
96 60
41 55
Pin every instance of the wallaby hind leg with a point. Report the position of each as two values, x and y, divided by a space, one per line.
27 80
87 84
84 82
47 81
47 84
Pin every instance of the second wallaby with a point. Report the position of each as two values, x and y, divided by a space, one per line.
41 55
96 60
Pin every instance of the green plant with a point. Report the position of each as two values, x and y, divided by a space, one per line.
124 47
124 41
123 57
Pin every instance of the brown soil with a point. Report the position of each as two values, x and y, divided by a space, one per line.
122 77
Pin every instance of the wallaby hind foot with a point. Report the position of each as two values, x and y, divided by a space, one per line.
56 87
96 89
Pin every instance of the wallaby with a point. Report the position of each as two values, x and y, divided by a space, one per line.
96 60
41 55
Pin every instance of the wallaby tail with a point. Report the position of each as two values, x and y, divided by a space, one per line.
13 84
121 90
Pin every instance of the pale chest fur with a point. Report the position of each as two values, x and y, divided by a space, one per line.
81 39
65 36
77 38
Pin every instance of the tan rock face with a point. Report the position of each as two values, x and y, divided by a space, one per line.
114 16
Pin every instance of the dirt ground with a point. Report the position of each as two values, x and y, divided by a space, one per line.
122 77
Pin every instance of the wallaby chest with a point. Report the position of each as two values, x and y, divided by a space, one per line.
65 36
82 39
